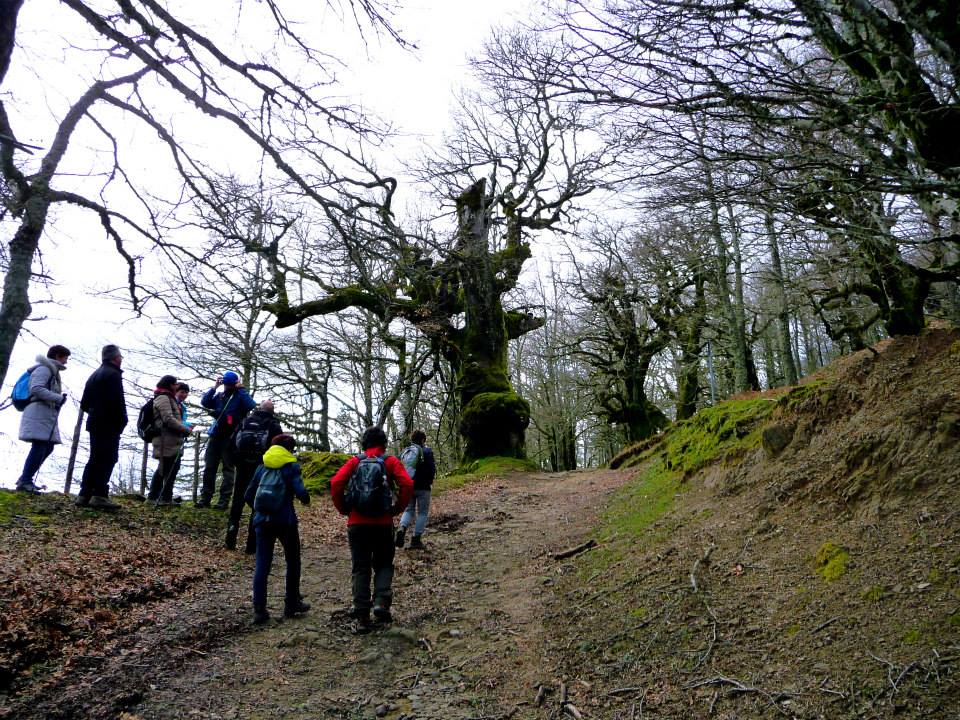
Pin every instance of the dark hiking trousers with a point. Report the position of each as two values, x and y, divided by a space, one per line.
161 484
244 474
267 535
39 451
371 550
104 451
217 452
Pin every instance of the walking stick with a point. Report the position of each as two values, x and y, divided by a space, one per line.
196 465
73 453
143 470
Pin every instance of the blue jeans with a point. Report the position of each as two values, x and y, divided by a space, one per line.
289 536
39 451
421 503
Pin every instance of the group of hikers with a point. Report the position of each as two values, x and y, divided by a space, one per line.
259 469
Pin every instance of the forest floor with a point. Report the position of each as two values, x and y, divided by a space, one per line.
468 616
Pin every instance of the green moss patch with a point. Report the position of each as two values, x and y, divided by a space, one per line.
725 431
875 593
318 468
31 508
831 561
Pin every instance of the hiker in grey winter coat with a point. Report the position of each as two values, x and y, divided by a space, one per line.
168 444
38 426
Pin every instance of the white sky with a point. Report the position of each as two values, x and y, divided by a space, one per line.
412 90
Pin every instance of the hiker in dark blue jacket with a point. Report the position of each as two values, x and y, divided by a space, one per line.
228 407
281 525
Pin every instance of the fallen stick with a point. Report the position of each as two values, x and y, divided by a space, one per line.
571 710
702 560
575 551
822 625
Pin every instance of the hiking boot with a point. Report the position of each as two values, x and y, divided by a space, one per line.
230 543
295 609
100 502
400 537
28 487
416 543
202 503
260 614
382 613
360 625
251 546
82 501
221 506
165 503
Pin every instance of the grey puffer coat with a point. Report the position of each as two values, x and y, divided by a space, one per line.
39 421
166 412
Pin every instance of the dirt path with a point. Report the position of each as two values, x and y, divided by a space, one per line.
466 618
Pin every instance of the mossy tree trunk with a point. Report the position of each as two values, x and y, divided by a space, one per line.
493 417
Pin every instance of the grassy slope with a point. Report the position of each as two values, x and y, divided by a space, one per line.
817 581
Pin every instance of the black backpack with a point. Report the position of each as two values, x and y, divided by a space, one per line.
368 491
252 439
147 422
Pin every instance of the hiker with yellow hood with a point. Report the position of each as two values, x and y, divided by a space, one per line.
270 494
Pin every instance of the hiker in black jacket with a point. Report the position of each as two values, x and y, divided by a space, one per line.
106 410
250 443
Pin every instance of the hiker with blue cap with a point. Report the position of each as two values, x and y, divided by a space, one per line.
228 407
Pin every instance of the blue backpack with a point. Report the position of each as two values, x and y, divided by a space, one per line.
21 390
271 492
369 491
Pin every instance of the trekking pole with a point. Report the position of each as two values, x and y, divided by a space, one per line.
196 465
73 453
143 469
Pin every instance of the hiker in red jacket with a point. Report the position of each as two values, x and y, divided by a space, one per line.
370 489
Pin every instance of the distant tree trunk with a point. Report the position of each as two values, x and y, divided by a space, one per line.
783 312
690 341
735 326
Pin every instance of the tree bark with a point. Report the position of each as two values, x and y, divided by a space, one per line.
493 418
783 312
9 10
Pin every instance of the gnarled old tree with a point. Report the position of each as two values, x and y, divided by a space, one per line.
150 65
532 149
643 293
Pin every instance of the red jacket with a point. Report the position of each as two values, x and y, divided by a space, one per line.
396 474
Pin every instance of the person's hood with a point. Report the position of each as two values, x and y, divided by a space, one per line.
50 363
277 456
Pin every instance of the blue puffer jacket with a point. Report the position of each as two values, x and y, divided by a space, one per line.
228 408
286 461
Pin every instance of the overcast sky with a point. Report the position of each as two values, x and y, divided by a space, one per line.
413 90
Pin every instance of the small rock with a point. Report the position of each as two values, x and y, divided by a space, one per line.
454 633
382 710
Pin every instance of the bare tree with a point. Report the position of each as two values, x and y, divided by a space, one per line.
149 65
